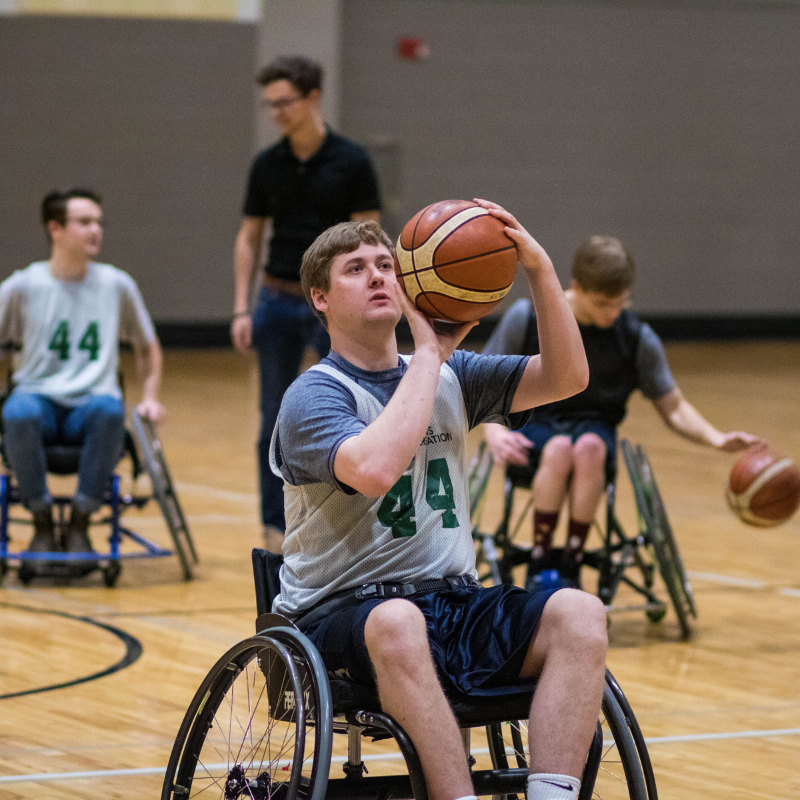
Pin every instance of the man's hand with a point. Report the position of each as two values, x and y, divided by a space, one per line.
531 254
736 441
510 447
152 410
423 332
242 332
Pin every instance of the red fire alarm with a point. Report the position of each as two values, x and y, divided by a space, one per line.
413 48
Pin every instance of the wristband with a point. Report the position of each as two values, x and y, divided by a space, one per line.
240 314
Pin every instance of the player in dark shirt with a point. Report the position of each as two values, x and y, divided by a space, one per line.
311 179
572 444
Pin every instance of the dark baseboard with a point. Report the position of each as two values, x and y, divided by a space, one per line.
670 327
676 327
194 335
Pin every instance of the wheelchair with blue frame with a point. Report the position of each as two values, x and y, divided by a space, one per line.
143 448
264 720
621 559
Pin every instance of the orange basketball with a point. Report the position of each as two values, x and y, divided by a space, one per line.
455 261
764 487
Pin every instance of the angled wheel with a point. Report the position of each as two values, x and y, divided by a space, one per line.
154 463
670 543
487 556
614 767
259 727
657 532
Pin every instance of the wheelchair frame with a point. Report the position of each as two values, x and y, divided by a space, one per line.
262 723
146 453
632 560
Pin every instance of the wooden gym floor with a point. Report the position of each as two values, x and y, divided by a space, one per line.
721 712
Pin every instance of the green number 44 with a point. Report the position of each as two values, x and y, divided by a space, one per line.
397 509
90 341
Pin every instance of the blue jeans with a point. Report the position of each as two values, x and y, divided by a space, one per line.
33 421
283 325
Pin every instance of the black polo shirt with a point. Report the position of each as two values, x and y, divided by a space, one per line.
303 198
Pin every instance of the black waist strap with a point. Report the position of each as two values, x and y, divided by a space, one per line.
371 591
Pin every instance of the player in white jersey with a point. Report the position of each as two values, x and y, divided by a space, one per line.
67 316
379 563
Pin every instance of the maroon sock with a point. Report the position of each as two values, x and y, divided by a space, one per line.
576 539
544 523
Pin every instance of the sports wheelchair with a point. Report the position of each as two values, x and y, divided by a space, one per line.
143 447
263 722
620 559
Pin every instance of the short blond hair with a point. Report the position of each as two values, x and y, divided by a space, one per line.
346 237
603 264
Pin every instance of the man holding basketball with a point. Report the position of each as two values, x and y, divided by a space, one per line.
309 180
572 443
378 557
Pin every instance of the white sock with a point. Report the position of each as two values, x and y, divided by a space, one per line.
467 797
549 786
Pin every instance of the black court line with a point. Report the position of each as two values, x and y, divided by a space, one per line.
133 649
177 612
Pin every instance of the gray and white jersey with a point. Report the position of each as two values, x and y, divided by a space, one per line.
69 332
337 538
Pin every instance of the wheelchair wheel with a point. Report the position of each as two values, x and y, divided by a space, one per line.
163 490
657 532
614 768
487 556
259 726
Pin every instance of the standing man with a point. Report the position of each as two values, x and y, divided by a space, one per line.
310 180
67 315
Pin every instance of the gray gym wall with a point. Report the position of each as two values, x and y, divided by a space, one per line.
672 125
158 116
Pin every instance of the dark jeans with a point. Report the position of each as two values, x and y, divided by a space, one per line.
283 325
32 421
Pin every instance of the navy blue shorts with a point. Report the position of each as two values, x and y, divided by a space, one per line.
541 431
478 637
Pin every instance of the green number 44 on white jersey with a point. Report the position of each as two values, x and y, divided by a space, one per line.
90 341
397 509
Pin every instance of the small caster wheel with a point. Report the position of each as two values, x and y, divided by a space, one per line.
26 574
656 614
111 574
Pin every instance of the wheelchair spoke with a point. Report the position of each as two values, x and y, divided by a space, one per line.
248 736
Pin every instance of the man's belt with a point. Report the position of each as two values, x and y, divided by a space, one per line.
372 591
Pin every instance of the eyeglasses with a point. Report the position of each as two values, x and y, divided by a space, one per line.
85 221
279 105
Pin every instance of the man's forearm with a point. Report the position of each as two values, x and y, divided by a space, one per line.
560 344
245 258
373 461
686 420
150 362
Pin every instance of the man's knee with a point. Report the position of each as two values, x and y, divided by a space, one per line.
395 632
106 410
22 409
576 620
557 455
589 451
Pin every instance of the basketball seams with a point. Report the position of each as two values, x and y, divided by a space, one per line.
464 279
763 478
413 251
741 503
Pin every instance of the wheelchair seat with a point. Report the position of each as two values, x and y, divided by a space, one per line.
282 747
634 560
263 721
141 445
